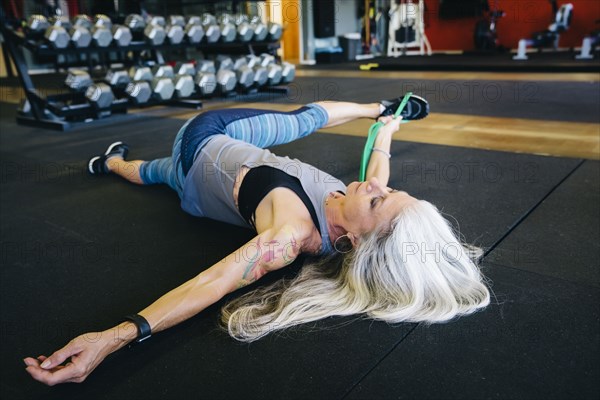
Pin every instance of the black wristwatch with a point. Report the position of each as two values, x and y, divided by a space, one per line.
143 327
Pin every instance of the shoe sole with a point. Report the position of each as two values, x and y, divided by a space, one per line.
420 102
415 103
90 163
111 147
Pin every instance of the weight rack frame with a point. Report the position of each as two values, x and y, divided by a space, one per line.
52 111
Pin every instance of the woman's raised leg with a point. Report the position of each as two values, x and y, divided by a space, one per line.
340 112
264 128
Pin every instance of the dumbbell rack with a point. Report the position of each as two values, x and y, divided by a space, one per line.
57 111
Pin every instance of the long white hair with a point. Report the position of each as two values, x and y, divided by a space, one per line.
417 271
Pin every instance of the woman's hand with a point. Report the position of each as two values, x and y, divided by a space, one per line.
86 352
391 125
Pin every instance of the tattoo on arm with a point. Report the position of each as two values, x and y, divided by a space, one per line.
252 271
271 252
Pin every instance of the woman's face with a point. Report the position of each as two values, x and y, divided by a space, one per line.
369 205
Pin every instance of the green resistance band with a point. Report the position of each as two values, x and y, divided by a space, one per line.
373 131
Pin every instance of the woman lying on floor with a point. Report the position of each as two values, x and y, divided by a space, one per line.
376 242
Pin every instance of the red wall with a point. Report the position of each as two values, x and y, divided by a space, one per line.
523 17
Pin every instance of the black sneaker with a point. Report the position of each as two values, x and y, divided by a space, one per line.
416 108
97 164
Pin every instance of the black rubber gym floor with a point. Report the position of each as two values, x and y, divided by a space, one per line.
79 252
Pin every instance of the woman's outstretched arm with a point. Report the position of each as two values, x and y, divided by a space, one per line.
266 252
379 164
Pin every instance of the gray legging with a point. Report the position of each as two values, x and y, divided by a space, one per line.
262 128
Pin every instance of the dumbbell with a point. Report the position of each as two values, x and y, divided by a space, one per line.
243 73
57 36
228 29
206 79
288 72
183 84
80 36
194 33
83 20
274 71
121 35
162 88
156 20
193 30
274 31
135 23
78 80
206 66
60 20
174 33
206 82
174 29
103 20
144 85
226 77
139 91
77 31
159 71
54 30
260 29
152 32
177 20
223 62
284 73
101 36
226 81
155 34
245 32
100 95
261 75
266 59
117 79
194 20
239 61
212 31
274 74
101 30
37 25
185 68
140 74
139 88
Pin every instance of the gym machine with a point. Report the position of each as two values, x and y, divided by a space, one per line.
551 36
407 28
589 43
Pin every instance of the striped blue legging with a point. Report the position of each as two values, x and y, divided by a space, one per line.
262 128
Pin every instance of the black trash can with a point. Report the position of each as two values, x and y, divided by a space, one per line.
350 45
